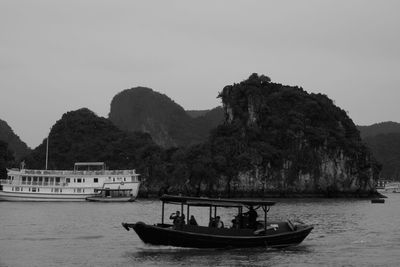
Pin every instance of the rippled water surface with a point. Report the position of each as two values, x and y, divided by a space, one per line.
346 233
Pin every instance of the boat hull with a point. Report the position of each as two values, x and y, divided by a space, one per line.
157 235
41 197
110 199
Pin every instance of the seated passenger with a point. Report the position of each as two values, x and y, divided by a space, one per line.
236 222
212 222
218 222
192 220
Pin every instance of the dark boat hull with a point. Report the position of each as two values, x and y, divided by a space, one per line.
110 199
168 236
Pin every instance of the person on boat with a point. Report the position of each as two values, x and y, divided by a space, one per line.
236 222
218 222
176 217
192 220
212 222
252 215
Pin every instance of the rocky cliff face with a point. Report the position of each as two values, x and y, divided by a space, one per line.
142 109
18 147
295 142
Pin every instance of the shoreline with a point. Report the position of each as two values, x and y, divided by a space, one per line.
274 195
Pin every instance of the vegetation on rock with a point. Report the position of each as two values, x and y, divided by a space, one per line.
142 109
276 140
18 147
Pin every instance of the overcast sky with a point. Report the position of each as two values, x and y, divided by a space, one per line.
58 56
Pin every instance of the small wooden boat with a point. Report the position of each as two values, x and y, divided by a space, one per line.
242 234
378 200
112 195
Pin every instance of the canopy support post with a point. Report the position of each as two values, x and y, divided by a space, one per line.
210 216
187 219
265 220
182 214
162 213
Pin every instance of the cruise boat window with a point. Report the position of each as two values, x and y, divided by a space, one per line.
95 180
79 180
38 189
67 180
124 179
83 179
33 189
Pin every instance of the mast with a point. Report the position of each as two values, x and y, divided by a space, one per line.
47 150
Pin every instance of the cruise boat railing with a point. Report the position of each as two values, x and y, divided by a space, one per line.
5 181
61 173
15 182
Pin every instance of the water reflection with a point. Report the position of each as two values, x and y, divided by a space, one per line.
170 256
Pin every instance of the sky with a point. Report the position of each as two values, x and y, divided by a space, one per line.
59 56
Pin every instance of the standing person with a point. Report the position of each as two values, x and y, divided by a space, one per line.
252 217
175 217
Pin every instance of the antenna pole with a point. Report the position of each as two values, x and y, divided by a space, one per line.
47 150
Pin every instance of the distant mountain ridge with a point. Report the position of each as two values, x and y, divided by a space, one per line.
383 139
197 113
143 109
379 128
15 144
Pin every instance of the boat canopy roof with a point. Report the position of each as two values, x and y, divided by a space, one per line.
89 163
218 202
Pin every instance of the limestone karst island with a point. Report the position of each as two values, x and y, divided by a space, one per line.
266 140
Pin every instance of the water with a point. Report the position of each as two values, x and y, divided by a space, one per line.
347 233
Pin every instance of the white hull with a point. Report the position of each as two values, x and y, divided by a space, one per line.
63 185
14 196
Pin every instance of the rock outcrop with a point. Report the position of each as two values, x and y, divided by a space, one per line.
291 142
142 109
18 147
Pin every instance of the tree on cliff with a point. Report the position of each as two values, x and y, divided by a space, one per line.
281 133
6 159
82 136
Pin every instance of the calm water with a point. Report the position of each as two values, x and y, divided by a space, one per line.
347 233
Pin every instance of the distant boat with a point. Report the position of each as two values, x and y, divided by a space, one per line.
392 187
378 200
112 195
88 179
243 232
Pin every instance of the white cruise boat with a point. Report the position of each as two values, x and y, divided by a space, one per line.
88 179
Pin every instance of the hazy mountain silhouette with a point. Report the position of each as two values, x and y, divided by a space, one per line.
379 128
18 147
142 109
383 139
